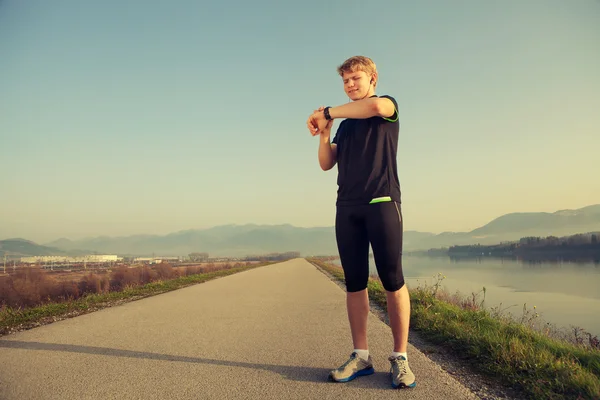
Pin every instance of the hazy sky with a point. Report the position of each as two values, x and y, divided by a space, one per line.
127 117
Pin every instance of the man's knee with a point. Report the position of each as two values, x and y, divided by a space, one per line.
353 286
393 285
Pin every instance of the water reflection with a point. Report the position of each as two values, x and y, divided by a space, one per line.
528 260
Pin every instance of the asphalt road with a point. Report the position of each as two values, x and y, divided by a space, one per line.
269 333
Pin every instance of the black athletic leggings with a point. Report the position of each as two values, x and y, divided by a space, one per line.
379 224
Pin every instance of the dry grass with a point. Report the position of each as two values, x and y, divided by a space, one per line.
33 286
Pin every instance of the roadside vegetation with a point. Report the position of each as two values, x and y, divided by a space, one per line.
33 297
524 353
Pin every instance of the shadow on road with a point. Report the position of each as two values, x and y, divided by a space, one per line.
296 373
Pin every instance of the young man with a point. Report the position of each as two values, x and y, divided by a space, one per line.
367 211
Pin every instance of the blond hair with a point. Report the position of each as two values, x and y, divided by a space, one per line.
359 63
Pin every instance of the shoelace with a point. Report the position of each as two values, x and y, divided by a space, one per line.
400 365
351 359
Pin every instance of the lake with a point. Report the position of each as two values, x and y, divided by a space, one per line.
565 293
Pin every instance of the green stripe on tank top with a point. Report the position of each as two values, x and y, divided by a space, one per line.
380 199
395 119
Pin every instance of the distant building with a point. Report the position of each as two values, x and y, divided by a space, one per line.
155 260
88 259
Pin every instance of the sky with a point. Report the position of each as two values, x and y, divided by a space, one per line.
121 118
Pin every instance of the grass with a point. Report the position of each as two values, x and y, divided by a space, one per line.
500 346
14 318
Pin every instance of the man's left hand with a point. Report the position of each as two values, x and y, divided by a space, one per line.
317 122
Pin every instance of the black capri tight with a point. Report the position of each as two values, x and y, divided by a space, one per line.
379 224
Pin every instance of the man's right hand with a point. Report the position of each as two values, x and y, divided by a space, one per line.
327 130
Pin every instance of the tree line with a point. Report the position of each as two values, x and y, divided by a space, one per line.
578 246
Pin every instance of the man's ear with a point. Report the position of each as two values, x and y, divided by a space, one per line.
374 78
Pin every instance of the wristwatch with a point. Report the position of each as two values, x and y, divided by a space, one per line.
326 112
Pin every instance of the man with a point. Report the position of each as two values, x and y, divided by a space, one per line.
367 211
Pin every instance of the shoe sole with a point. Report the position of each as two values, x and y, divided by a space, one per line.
404 386
362 372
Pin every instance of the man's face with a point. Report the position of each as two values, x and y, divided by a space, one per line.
356 84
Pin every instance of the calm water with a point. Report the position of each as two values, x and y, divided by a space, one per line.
565 293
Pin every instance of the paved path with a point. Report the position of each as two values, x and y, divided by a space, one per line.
269 333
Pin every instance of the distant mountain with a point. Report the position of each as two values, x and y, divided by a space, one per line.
514 226
517 222
16 248
252 239
226 240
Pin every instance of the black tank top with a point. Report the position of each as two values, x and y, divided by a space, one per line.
366 159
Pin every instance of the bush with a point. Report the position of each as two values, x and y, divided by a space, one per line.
166 271
93 283
64 290
8 294
192 270
33 286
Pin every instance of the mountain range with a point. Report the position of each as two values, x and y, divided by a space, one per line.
252 239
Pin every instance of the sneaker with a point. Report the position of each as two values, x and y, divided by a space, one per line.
353 368
402 376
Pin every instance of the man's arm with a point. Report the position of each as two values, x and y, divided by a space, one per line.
327 152
318 125
366 108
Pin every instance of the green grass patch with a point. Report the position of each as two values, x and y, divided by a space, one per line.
17 318
541 367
